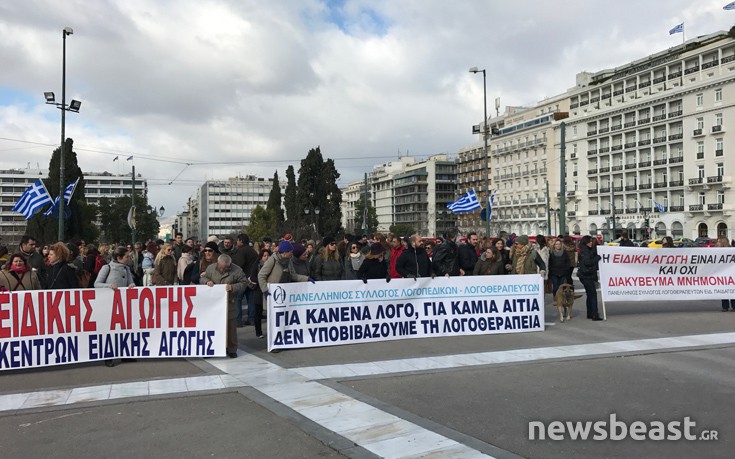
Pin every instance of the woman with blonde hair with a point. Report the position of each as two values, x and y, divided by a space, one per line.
164 272
59 274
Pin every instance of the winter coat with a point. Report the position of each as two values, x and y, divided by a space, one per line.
350 262
185 260
253 281
298 269
372 268
245 257
559 265
394 254
235 277
485 267
414 262
275 270
61 275
467 258
330 269
114 273
588 263
35 260
14 281
147 260
165 271
543 252
445 259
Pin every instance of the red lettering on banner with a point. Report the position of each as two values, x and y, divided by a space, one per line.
118 313
29 326
174 307
15 316
73 311
189 321
4 315
89 324
146 298
131 294
53 299
161 294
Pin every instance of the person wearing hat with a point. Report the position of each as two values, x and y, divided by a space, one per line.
224 271
374 267
277 268
326 264
525 259
445 260
210 252
300 269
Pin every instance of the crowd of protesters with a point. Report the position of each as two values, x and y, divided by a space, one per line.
247 268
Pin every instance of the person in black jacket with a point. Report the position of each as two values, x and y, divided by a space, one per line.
559 265
374 267
587 273
468 254
445 261
414 261
61 275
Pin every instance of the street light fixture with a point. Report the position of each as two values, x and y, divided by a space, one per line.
73 107
161 211
475 70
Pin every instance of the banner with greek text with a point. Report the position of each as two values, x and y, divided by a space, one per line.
41 328
345 312
643 274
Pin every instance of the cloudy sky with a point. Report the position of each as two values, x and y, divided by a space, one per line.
204 89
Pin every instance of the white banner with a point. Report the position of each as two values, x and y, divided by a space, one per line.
643 274
41 328
330 313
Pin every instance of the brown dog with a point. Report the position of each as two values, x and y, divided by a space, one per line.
564 300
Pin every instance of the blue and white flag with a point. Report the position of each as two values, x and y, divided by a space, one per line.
660 207
466 203
68 192
490 206
32 199
729 6
677 29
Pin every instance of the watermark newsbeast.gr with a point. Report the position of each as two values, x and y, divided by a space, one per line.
613 429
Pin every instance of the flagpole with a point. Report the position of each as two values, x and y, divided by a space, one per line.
132 206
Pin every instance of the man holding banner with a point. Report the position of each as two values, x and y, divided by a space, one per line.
227 273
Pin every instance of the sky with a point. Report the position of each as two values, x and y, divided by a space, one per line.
199 89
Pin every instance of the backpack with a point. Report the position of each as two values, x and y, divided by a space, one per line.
99 262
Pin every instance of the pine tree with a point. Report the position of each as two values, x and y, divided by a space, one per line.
274 206
317 189
291 203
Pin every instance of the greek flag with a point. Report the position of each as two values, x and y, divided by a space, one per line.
677 29
32 199
466 203
490 206
729 6
660 207
68 192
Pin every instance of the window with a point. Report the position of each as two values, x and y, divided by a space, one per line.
700 171
574 130
700 123
719 147
718 119
681 200
720 169
700 100
718 95
720 197
700 150
574 148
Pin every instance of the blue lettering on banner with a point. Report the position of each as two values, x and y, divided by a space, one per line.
284 337
187 343
39 351
119 345
356 332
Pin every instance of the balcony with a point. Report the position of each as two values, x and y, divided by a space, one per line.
591 132
594 99
618 189
696 132
616 127
660 117
717 128
675 114
714 206
631 187
660 162
644 121
617 92
727 59
676 159
604 170
659 79
714 179
644 164
604 149
676 209
604 212
608 95
630 211
691 70
592 171
629 124
674 75
659 185
617 168
719 152
644 186
605 190
630 166
603 130
573 155
696 181
617 147
710 64
573 106
592 212
630 144
700 155
571 213
644 142
696 207
659 139
591 152
584 102
676 136
676 183
631 88
644 84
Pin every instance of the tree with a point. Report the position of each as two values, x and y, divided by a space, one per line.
291 203
359 215
274 206
401 229
80 224
261 223
113 217
317 189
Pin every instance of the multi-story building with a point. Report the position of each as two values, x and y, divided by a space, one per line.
645 150
353 193
14 182
223 207
382 190
651 137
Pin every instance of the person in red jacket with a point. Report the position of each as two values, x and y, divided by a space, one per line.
397 246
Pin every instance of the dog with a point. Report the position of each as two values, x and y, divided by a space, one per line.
564 300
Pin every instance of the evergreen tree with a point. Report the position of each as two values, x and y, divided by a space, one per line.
113 216
401 230
274 206
261 223
80 224
317 189
290 202
372 218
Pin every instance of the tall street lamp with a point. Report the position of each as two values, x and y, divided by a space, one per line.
475 70
72 107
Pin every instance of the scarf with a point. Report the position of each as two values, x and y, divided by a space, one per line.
356 259
521 255
558 253
19 269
